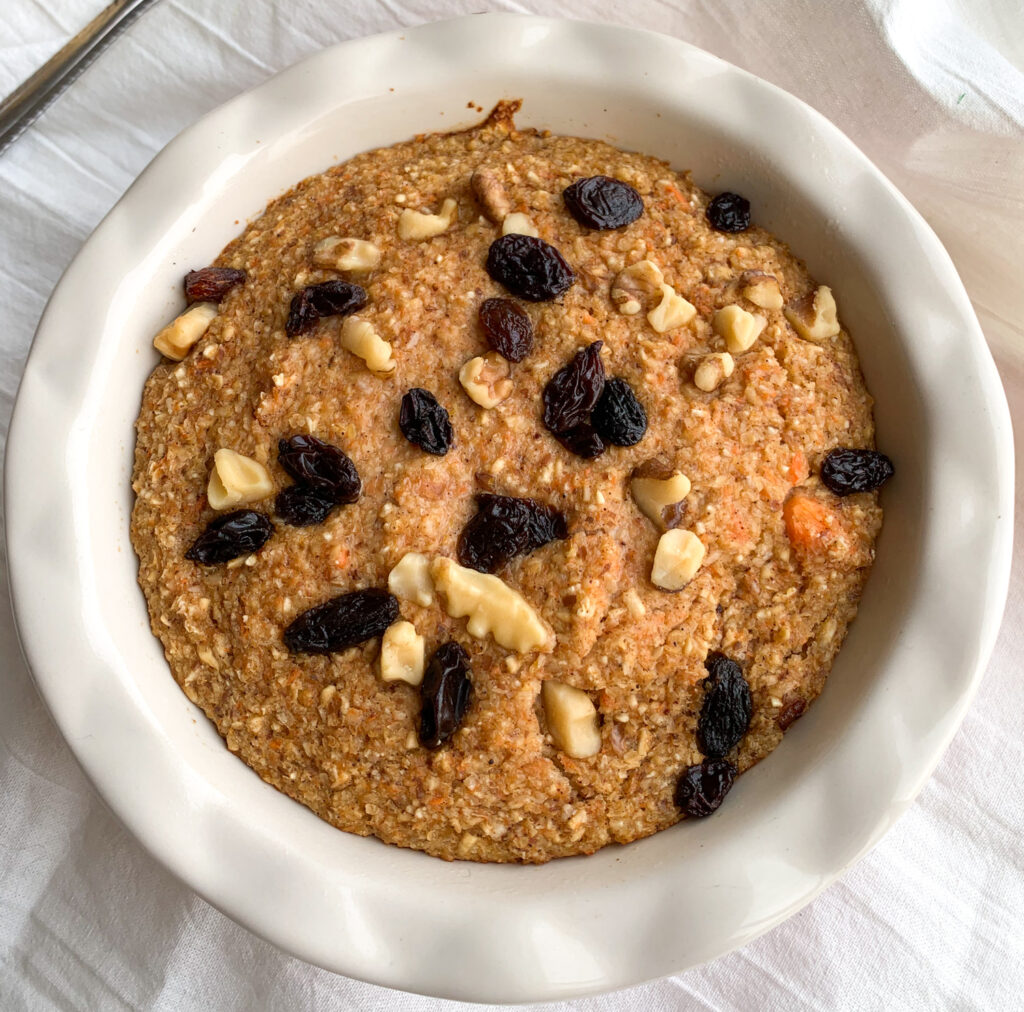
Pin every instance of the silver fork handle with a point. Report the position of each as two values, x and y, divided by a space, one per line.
29 99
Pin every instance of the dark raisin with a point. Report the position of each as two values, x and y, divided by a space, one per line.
332 298
848 471
507 328
529 267
603 202
344 621
725 715
791 712
424 422
570 395
505 527
702 788
240 532
445 693
211 284
320 466
729 212
302 506
583 440
618 416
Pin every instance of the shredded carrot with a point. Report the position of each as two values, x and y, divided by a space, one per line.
797 469
677 193
807 520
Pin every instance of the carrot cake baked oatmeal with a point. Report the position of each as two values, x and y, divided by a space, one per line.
503 495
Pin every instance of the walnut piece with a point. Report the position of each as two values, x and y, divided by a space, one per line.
410 579
520 224
236 480
492 607
572 719
418 226
814 317
673 311
653 495
713 370
739 328
359 337
636 287
487 379
345 254
401 654
177 338
678 557
489 189
762 289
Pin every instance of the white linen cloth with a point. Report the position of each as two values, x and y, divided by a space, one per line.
933 91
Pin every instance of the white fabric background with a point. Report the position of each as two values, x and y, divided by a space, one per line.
933 91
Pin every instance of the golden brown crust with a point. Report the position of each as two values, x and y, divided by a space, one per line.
327 730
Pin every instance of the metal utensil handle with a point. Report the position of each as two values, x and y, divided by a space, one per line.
29 99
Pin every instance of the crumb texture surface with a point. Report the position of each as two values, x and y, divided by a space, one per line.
776 589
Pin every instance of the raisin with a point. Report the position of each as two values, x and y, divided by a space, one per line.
529 267
211 284
505 527
570 395
332 298
302 506
602 202
320 466
729 212
702 788
445 693
618 416
847 471
424 422
583 440
507 328
342 622
237 533
725 715
791 712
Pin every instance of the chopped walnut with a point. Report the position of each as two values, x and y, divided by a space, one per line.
739 328
678 557
236 480
487 379
418 226
653 495
410 579
401 654
492 607
673 311
489 189
345 254
519 224
713 370
175 341
359 337
572 719
814 317
762 289
636 288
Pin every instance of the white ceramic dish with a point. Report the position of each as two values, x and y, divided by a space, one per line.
844 773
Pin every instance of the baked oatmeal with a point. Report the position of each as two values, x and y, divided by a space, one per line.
502 495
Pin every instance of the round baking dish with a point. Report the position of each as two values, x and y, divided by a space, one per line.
897 692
